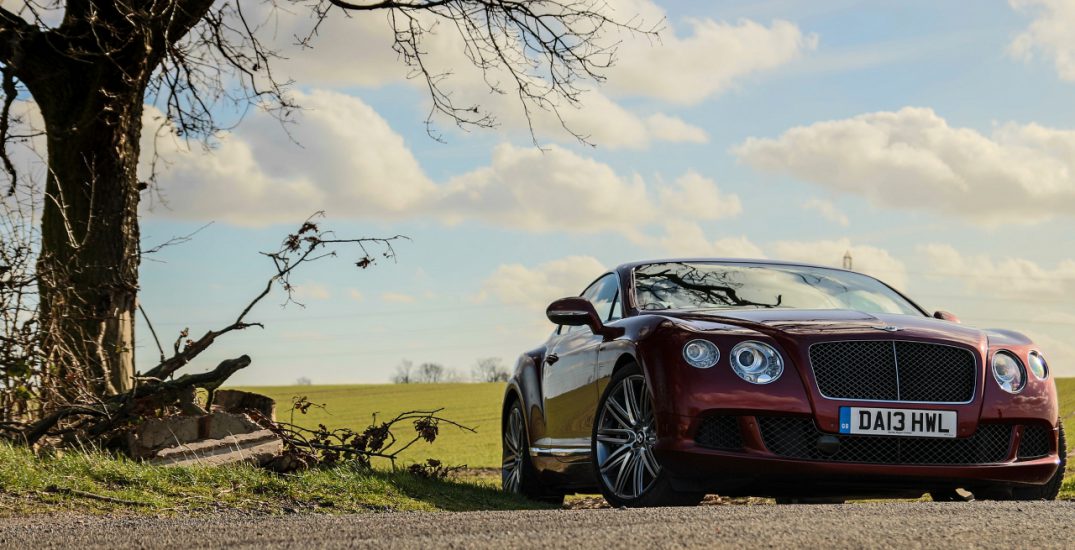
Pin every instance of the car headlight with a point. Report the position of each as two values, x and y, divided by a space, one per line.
701 354
1008 372
756 362
1038 366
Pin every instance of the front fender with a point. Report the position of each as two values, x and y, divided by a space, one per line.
525 386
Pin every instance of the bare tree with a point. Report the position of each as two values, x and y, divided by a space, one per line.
90 66
404 372
431 373
303 381
490 369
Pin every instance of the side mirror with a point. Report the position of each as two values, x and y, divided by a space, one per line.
944 315
576 312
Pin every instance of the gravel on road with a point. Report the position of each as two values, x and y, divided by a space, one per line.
857 525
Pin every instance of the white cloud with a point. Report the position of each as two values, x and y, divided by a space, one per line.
311 291
675 130
350 162
827 210
683 68
687 239
347 159
1049 34
867 259
709 59
355 295
697 197
1006 277
541 191
397 298
912 158
536 287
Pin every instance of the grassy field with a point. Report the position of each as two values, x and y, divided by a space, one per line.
475 405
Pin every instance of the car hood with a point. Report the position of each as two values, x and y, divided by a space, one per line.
788 322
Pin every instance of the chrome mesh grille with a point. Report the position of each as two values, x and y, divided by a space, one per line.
797 437
887 370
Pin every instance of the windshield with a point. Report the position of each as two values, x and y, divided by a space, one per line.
680 285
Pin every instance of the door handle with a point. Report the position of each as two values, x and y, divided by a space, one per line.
552 358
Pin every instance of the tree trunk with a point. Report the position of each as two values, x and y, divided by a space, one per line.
88 266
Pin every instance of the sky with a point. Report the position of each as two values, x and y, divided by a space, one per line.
935 141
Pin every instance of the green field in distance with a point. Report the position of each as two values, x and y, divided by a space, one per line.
474 405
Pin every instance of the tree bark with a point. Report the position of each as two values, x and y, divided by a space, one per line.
89 260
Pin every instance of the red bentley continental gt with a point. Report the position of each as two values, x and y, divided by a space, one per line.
667 380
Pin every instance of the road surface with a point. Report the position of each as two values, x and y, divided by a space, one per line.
872 525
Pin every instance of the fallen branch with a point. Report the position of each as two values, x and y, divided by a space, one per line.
378 440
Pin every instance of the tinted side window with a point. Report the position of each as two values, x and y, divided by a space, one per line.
602 294
605 297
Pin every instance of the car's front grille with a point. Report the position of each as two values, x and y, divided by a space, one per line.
797 437
719 432
891 370
1036 441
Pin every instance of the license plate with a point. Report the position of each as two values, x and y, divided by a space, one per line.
902 422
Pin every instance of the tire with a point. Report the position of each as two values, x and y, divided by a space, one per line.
621 446
517 472
1047 491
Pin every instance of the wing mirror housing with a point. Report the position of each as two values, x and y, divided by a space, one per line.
575 312
946 316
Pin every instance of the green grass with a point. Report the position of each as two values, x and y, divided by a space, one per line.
99 483
473 405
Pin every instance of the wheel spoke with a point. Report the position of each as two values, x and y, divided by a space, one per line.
514 480
650 462
618 413
617 456
616 436
623 474
639 471
631 401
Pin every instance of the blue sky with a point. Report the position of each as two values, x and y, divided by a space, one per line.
931 139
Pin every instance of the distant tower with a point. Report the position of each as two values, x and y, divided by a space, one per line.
847 260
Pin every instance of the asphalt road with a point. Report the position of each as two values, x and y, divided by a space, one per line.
868 525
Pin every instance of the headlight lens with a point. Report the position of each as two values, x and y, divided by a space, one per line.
756 362
1008 372
701 354
1038 366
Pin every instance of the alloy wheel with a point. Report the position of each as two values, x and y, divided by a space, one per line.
514 447
625 437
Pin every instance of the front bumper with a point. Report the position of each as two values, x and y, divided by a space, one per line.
746 465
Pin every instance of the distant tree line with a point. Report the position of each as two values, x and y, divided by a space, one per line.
488 369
